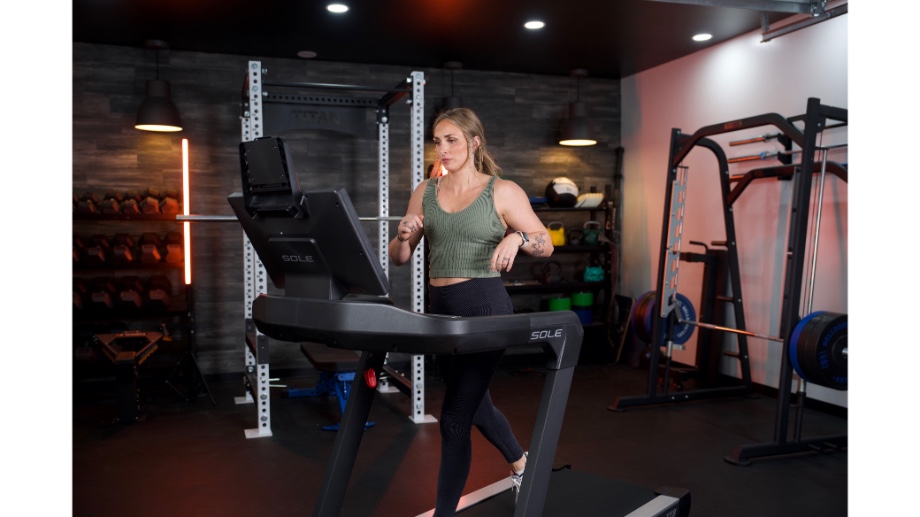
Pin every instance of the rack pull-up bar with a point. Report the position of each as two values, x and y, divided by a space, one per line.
765 155
352 87
227 218
761 138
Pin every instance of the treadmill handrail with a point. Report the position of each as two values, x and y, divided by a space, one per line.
358 324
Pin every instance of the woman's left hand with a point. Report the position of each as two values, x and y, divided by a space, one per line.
505 252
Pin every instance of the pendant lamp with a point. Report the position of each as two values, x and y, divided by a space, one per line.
157 112
575 129
453 101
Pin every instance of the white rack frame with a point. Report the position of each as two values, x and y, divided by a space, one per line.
256 379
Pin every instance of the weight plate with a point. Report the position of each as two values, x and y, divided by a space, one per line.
796 348
818 349
807 348
638 313
830 351
645 312
683 331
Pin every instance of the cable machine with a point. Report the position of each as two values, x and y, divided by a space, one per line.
284 109
665 319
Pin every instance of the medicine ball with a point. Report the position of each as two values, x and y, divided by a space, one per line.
561 193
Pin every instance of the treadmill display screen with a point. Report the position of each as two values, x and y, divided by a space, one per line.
311 243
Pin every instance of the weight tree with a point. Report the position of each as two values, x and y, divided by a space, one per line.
814 121
260 105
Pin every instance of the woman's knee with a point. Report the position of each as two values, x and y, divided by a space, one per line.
454 427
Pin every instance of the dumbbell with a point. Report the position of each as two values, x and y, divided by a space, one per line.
98 249
174 252
130 292
80 294
111 203
88 204
169 203
124 249
150 248
79 248
150 201
132 203
159 290
102 293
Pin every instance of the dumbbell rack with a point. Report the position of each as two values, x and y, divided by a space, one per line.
164 303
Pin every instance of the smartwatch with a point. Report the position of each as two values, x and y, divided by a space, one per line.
524 239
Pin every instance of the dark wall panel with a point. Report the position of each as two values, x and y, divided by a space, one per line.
522 115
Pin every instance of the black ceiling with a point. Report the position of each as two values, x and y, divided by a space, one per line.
608 38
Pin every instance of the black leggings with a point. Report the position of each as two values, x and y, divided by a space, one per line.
466 399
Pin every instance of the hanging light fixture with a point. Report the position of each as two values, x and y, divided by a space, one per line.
453 101
157 112
575 130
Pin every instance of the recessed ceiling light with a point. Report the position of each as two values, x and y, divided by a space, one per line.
534 25
702 37
337 8
306 54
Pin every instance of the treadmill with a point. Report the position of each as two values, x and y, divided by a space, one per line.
335 292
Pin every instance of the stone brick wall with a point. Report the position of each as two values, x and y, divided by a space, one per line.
522 116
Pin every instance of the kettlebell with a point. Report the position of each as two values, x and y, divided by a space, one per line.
594 274
556 233
590 233
548 272
574 237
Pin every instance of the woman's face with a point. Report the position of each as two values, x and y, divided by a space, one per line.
451 146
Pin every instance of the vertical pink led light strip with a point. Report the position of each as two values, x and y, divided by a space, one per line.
185 204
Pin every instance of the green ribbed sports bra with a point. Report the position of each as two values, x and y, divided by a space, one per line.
461 243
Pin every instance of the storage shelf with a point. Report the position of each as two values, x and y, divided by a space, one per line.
86 268
597 253
124 217
177 308
599 208
556 287
568 248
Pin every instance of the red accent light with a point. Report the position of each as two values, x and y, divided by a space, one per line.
185 202
370 378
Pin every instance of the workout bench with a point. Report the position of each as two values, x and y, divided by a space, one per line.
128 350
336 371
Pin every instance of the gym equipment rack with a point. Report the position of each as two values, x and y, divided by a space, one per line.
814 121
261 103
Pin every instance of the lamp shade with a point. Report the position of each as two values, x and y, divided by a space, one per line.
157 112
575 130
452 102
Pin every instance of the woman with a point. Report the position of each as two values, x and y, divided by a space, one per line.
476 224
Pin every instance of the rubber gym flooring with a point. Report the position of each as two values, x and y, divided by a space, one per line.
192 458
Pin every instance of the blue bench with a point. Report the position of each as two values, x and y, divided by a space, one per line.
336 369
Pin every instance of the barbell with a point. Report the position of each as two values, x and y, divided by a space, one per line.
817 345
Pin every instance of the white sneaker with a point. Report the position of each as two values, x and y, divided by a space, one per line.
516 481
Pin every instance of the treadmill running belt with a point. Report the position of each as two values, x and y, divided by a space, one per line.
574 493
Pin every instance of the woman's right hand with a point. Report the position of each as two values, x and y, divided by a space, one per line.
409 225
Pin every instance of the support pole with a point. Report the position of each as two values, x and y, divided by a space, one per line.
256 378
417 132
